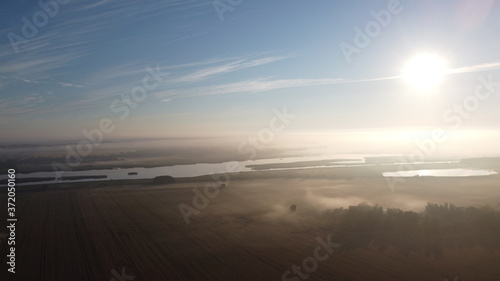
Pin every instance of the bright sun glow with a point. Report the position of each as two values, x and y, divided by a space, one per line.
424 72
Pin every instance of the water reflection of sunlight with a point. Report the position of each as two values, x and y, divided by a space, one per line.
459 172
424 173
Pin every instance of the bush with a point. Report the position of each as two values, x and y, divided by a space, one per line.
164 180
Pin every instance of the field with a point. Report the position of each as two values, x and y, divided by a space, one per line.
135 230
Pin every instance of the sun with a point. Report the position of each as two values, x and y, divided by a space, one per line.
424 72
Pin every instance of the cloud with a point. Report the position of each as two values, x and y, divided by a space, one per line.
76 31
32 100
477 68
209 72
69 85
200 63
261 85
21 105
63 84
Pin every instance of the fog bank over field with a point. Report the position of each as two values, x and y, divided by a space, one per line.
245 146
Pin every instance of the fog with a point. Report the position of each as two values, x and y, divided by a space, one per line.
457 144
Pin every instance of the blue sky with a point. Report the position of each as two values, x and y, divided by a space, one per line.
226 76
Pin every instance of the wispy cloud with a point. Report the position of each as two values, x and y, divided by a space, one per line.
112 82
63 84
32 66
200 63
261 85
61 48
477 68
69 85
76 31
209 72
21 106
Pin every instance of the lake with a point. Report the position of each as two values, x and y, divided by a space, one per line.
440 173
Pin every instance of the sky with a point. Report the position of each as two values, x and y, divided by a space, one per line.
225 67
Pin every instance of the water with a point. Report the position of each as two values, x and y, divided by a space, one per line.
193 170
190 170
440 173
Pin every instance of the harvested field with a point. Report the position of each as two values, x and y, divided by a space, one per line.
246 232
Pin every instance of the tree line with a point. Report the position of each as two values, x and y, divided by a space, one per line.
439 226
